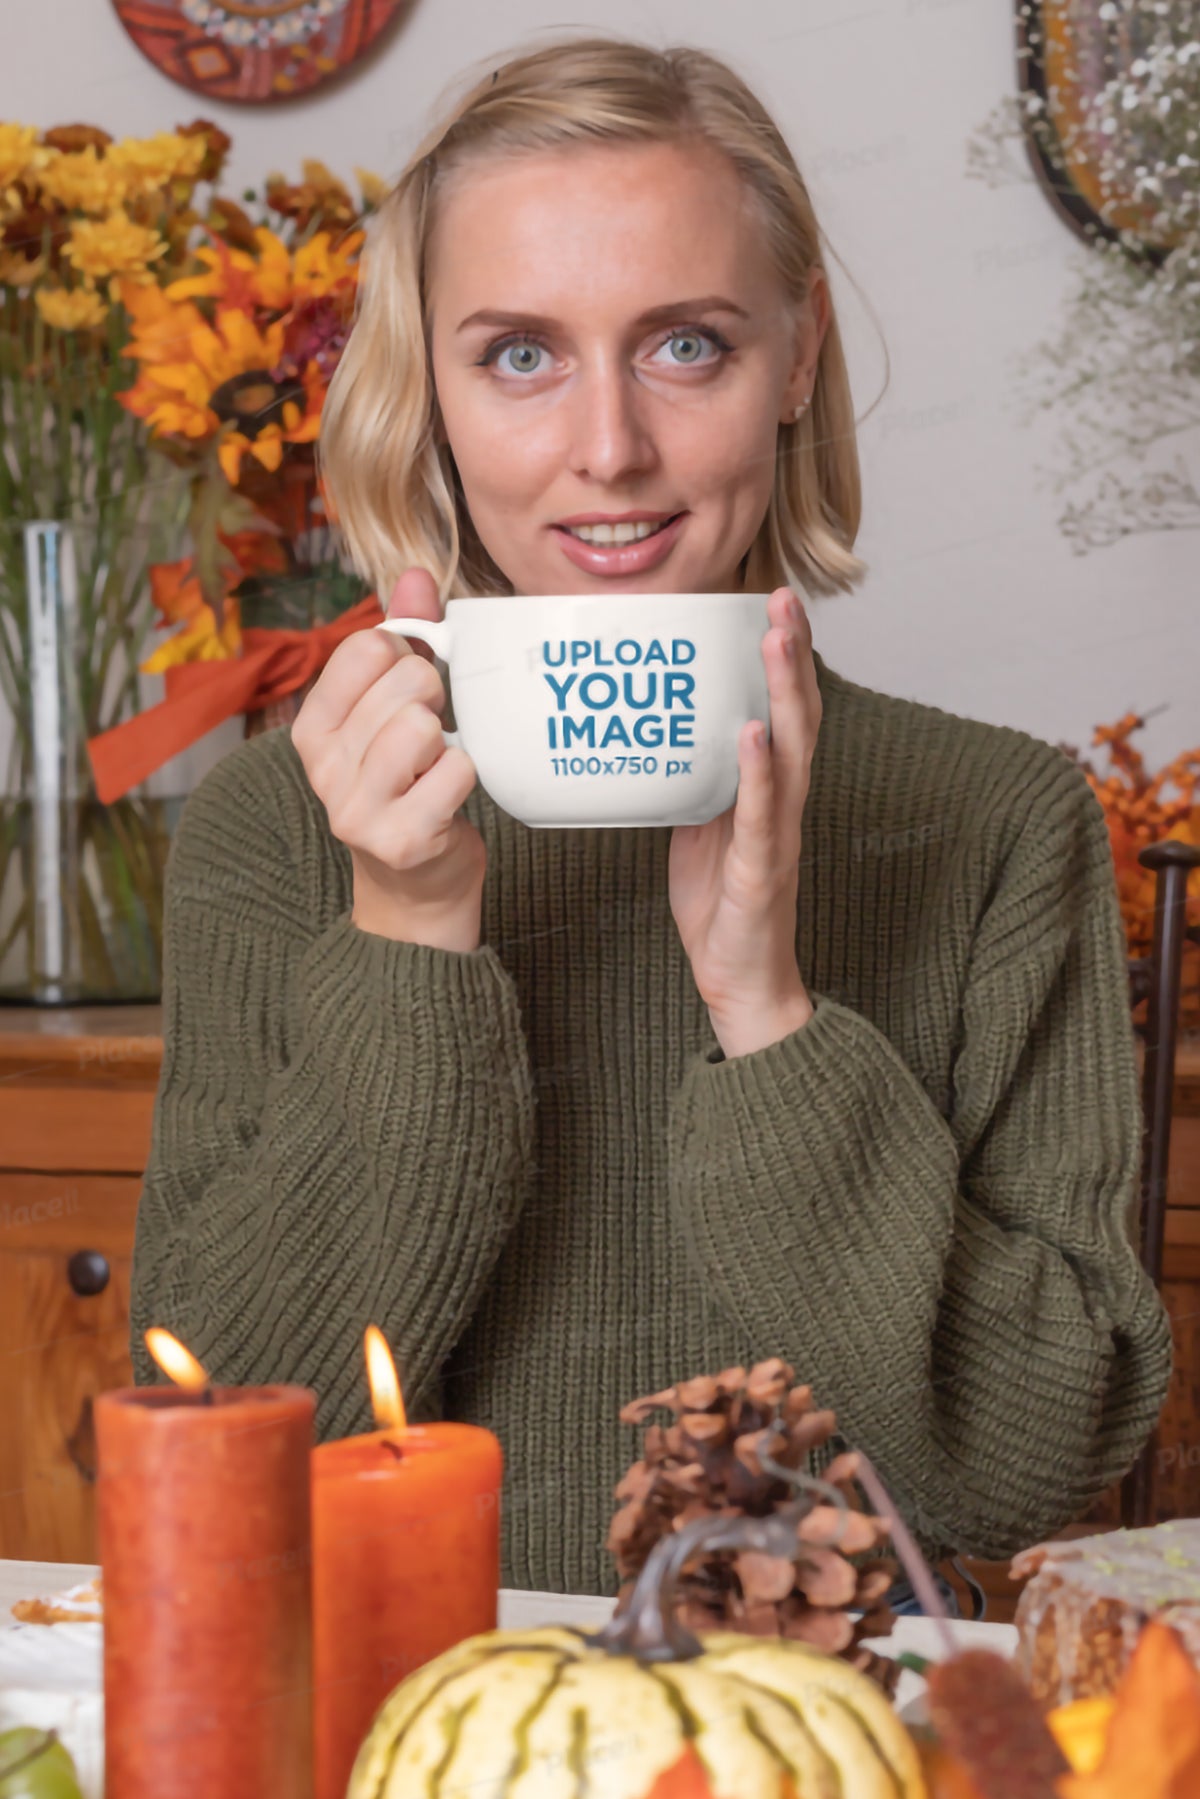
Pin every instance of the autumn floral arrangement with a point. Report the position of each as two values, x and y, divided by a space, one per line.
164 356
233 362
1140 808
81 218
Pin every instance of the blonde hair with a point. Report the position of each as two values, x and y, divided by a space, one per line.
395 490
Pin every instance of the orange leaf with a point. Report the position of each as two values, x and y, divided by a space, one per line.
175 591
1153 1748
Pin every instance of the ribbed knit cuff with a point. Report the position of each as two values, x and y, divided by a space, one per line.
822 1054
789 1142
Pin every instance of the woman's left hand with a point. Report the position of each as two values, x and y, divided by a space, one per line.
734 881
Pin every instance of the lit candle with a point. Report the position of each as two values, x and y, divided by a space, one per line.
406 1560
204 1522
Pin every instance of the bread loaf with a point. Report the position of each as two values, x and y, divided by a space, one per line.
1088 1599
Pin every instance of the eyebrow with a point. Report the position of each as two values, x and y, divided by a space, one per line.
656 315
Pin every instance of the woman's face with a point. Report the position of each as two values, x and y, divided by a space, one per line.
593 408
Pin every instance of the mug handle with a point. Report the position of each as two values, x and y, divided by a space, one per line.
434 632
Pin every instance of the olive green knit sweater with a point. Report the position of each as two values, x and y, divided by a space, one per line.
533 1169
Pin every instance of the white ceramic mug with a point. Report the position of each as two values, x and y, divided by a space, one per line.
586 710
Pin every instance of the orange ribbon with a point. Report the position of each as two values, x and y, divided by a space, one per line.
201 695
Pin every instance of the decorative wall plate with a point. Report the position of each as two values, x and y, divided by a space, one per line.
253 49
1068 51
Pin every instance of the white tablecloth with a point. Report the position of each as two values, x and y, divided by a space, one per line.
53 1678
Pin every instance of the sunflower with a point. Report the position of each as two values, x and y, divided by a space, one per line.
267 413
186 361
320 267
272 276
240 279
199 379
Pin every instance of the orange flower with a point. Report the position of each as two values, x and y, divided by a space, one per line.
217 144
1139 809
238 279
175 590
187 363
231 223
320 267
320 198
76 137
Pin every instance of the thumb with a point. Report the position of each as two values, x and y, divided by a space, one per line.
415 595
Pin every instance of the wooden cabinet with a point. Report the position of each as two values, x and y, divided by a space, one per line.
76 1103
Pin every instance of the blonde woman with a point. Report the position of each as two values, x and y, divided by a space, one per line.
845 1075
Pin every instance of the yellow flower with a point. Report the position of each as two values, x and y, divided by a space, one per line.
147 164
319 266
239 279
201 640
66 309
19 152
175 590
113 246
16 270
83 181
373 188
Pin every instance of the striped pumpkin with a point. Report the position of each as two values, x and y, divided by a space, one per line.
545 1714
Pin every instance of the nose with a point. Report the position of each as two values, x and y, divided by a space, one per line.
611 434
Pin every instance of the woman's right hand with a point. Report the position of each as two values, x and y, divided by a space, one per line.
370 738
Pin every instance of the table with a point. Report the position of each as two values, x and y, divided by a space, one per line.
519 1610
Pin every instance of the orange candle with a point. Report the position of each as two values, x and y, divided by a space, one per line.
203 1513
406 1561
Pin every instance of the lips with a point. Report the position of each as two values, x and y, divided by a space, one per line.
615 560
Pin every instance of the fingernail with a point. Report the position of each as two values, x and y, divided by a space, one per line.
789 648
793 610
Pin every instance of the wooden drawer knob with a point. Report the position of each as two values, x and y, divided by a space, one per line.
88 1272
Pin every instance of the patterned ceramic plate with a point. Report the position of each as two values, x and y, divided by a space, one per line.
253 49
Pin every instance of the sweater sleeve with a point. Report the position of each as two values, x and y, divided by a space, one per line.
342 1132
962 1288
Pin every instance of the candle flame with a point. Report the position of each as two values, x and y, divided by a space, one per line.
176 1362
386 1402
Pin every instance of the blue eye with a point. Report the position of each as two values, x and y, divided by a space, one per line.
528 340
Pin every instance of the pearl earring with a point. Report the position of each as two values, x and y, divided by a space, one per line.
803 407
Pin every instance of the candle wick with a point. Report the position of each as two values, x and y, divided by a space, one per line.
206 1396
393 1449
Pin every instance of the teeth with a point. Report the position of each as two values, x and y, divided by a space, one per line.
626 533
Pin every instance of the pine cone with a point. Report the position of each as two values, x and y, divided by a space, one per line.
706 1464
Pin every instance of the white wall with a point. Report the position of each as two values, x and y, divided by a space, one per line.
975 602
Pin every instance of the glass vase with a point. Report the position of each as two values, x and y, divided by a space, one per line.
81 882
